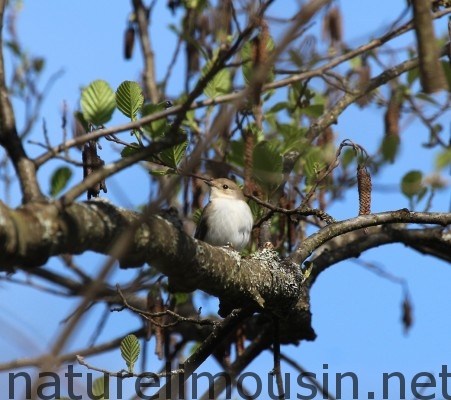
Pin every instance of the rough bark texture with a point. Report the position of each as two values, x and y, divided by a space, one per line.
264 281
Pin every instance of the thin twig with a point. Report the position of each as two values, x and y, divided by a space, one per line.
151 315
126 374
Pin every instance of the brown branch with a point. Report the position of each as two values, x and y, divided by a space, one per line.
302 210
429 241
309 377
329 232
259 343
262 280
277 370
68 357
143 20
125 374
208 346
9 138
177 318
240 95
110 169
331 116
432 77
346 246
96 225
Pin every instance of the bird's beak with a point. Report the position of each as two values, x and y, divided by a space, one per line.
208 182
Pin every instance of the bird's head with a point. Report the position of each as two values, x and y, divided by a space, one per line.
225 189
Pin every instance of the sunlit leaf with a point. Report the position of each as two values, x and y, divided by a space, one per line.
443 159
100 387
314 163
97 102
219 84
196 216
130 349
59 180
129 98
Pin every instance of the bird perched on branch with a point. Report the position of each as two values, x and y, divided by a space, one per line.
226 219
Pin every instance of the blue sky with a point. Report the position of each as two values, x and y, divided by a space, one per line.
356 314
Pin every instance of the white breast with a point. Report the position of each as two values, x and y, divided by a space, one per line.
229 221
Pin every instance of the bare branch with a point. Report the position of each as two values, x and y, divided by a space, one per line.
9 137
150 83
364 221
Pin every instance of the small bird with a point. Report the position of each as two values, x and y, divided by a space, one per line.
226 219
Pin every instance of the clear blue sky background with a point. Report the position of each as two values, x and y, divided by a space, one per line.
356 314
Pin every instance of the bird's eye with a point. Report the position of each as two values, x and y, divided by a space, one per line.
225 187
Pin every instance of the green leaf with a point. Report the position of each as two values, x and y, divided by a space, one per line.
314 110
181 298
59 180
172 156
38 64
219 84
356 62
412 75
390 147
314 163
248 67
161 172
196 216
236 154
267 164
97 102
131 149
411 183
447 70
283 105
159 127
443 159
100 387
129 99
130 349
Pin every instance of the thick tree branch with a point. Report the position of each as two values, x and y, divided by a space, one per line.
29 235
34 232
